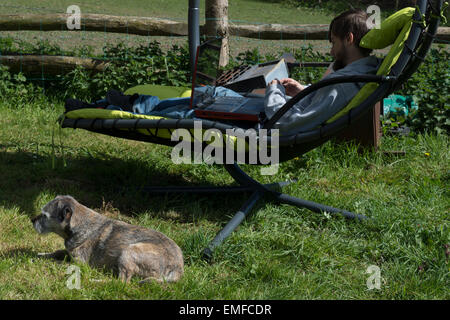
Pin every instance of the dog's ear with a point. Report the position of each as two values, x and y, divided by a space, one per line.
65 213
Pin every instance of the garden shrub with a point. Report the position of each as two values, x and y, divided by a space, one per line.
430 87
149 64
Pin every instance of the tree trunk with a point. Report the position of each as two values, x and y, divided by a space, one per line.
216 25
94 22
161 27
36 65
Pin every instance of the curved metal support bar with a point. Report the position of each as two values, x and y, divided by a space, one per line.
428 38
244 179
411 42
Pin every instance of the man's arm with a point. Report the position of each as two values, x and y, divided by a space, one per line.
309 112
275 97
293 87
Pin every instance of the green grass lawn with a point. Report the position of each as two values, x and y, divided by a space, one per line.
279 252
253 11
240 11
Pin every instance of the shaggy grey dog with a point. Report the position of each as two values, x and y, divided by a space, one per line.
101 242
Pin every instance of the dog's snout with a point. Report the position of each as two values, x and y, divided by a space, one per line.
33 219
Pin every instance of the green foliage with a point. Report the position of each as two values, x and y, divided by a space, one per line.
77 83
6 45
309 74
129 67
10 45
304 54
430 86
149 64
333 4
333 7
14 88
145 64
249 57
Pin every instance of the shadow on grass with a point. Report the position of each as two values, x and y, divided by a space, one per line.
27 177
58 256
17 253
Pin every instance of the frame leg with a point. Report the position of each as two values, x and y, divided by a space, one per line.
232 224
317 207
246 184
261 190
201 189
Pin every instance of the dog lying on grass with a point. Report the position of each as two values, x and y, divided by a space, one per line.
101 242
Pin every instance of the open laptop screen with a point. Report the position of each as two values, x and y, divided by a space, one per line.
208 62
206 65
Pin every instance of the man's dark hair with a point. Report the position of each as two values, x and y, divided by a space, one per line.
354 21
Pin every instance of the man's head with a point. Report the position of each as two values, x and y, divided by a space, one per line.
345 34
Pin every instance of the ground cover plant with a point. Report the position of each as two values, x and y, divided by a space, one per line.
279 252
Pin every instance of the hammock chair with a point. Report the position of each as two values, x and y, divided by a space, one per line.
410 33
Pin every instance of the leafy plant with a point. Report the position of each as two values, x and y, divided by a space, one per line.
14 88
6 45
77 83
149 64
145 64
309 74
430 86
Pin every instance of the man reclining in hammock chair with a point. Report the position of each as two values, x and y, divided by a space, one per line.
345 33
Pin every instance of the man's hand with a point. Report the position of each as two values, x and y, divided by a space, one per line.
291 86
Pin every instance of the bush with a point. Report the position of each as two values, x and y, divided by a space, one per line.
384 4
304 54
150 65
129 67
430 86
14 88
334 7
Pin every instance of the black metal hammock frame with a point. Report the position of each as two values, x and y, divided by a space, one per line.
425 24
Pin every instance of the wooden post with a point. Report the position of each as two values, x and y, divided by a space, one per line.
162 27
34 64
216 25
367 131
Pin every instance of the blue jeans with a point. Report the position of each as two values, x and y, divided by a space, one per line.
176 108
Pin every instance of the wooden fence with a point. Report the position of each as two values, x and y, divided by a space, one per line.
165 27
146 27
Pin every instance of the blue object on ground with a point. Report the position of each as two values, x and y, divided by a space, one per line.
397 105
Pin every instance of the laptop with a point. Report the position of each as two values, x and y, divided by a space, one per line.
245 108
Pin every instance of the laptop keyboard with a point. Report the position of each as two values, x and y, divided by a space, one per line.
225 103
229 103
